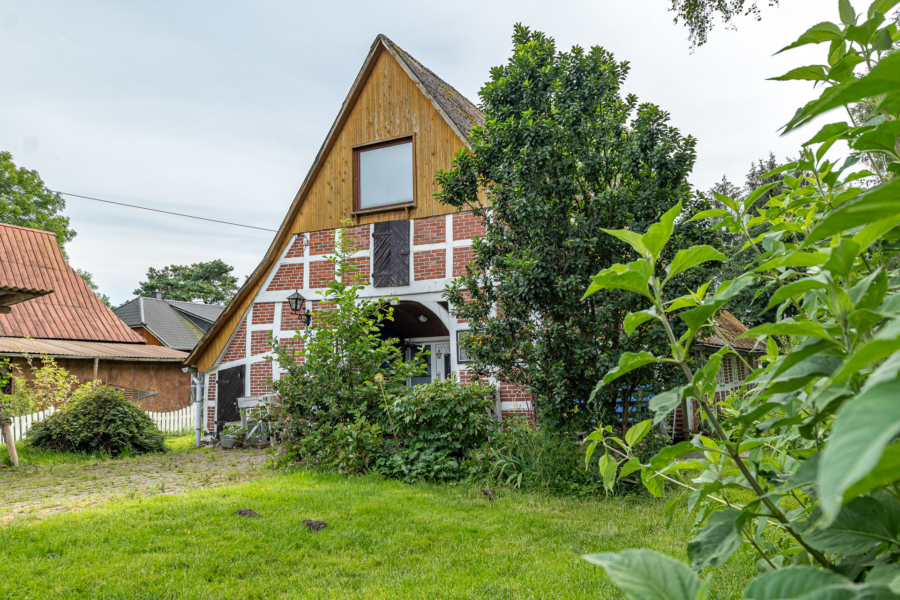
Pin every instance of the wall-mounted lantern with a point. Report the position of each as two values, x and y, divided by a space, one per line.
297 303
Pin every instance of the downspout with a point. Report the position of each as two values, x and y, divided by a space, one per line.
197 396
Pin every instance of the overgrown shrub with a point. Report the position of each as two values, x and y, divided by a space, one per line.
330 401
801 468
98 419
437 425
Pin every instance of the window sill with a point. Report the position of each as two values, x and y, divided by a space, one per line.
380 209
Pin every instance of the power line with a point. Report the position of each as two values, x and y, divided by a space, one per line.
164 211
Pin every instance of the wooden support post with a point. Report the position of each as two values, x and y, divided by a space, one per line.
96 364
10 443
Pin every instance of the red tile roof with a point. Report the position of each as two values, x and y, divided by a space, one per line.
78 349
30 258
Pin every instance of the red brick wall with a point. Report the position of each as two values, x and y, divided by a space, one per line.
259 342
321 242
359 235
466 226
211 398
430 264
296 249
461 258
288 277
432 230
359 266
260 376
290 321
238 347
320 273
264 313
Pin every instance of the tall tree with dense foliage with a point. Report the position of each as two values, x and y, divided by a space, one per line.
562 156
210 282
802 468
25 201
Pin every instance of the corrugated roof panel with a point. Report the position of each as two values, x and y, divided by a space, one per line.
32 257
81 349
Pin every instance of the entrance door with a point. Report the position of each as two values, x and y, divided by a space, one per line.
231 387
436 361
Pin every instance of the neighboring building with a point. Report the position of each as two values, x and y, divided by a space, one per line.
734 370
169 323
74 327
398 125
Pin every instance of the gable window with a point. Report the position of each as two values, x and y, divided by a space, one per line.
384 175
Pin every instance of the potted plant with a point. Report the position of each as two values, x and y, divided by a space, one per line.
232 435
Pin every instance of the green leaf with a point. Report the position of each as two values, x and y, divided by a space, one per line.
882 79
788 327
886 471
696 317
653 483
659 233
709 214
632 238
794 259
635 320
875 230
823 32
637 432
687 259
883 138
781 169
671 505
803 372
629 361
647 575
882 345
861 524
863 428
717 541
830 131
630 467
810 73
842 257
882 6
664 403
608 467
633 277
795 289
848 15
800 583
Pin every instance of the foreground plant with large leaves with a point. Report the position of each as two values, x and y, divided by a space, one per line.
803 465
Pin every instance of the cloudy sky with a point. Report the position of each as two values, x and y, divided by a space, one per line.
218 108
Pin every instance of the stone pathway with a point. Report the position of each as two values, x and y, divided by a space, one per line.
41 488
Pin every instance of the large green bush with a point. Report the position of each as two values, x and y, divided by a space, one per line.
99 419
801 468
437 426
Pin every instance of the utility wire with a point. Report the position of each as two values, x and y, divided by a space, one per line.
164 211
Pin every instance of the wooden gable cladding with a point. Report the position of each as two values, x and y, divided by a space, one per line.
389 106
390 99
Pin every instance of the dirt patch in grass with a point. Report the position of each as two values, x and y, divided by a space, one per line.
49 483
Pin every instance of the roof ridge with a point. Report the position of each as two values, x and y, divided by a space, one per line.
44 231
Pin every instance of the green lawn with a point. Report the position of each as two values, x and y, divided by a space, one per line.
384 540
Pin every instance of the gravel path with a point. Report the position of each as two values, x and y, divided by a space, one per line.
42 488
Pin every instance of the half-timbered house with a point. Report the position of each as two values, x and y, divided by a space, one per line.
398 125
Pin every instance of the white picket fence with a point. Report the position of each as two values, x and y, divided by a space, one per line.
178 420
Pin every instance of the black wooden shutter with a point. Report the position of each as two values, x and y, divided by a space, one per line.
391 254
231 387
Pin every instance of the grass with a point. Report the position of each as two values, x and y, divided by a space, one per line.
384 539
